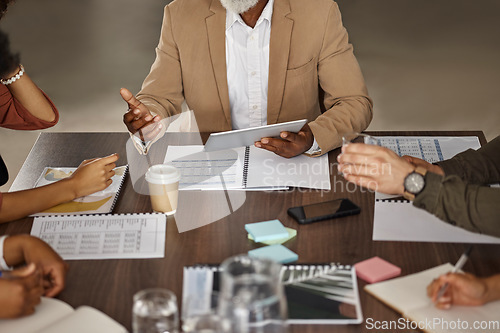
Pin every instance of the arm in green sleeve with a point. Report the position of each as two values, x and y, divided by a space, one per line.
472 207
477 167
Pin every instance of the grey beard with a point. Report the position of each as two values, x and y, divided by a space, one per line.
238 6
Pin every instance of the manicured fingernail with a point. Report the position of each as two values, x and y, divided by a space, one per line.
257 144
147 118
284 135
339 157
265 141
136 111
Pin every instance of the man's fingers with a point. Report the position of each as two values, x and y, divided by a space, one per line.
129 98
133 102
348 158
361 148
290 136
366 182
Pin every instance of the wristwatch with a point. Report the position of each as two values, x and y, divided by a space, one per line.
414 183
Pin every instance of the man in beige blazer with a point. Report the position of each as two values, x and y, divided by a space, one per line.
313 73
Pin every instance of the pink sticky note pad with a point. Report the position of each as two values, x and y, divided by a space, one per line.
376 269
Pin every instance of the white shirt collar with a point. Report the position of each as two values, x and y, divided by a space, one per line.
267 14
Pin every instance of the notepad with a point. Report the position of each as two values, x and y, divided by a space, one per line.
277 252
101 202
266 231
408 296
376 269
291 233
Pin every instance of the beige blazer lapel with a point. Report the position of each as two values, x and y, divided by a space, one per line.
216 28
281 32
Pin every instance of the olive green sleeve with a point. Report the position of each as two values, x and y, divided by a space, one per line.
476 167
469 206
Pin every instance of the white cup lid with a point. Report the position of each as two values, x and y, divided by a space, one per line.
163 174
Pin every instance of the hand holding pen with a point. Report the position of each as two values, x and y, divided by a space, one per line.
456 288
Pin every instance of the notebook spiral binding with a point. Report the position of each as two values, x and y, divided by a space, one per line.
298 273
392 200
245 166
125 173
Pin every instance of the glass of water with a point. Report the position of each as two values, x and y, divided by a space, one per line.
349 137
252 297
155 311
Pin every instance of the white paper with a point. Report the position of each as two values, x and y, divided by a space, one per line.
206 170
428 148
103 236
401 221
266 169
224 169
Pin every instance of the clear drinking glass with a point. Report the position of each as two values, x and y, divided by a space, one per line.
252 297
199 314
349 137
155 311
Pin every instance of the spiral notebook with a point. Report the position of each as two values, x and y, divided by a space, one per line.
316 294
246 168
122 236
101 202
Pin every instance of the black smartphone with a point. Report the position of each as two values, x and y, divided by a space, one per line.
323 211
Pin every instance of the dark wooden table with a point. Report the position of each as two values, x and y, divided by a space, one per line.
108 285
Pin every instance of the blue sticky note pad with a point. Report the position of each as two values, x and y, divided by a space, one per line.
266 231
276 252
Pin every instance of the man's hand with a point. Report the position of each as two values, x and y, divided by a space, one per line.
20 249
376 168
20 292
424 164
93 175
289 144
138 118
463 289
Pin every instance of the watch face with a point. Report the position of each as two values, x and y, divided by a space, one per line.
414 183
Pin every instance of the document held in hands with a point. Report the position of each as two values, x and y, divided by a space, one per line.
101 202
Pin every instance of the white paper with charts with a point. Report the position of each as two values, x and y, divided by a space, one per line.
103 236
429 148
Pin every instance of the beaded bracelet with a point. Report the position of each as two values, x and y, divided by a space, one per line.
14 78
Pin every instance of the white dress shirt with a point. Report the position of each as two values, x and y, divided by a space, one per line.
247 63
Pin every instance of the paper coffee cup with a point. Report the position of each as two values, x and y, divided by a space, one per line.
163 181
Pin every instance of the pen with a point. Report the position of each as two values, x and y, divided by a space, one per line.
458 266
